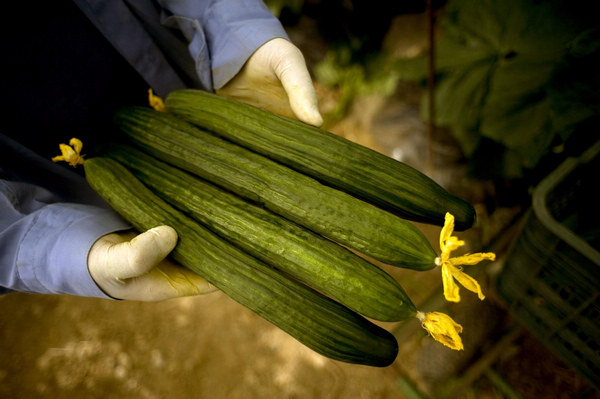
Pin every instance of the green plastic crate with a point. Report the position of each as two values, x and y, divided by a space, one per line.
551 277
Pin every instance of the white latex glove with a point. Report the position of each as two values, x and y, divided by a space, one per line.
275 78
130 266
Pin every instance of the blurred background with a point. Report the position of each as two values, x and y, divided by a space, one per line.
498 101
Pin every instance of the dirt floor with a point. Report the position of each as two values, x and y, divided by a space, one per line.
205 347
211 347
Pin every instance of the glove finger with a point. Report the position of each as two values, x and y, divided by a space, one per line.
290 68
166 281
136 257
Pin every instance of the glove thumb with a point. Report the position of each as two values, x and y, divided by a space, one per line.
136 257
130 266
290 67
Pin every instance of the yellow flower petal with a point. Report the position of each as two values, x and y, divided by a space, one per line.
447 230
451 291
452 244
76 144
450 266
442 328
466 281
70 154
155 101
473 259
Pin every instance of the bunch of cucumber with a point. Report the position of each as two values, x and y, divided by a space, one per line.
267 209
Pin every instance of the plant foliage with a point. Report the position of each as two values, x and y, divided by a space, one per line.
514 79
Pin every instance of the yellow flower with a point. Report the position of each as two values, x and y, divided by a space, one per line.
442 328
451 266
70 153
155 101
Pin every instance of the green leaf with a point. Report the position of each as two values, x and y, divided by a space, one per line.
517 72
459 96
516 107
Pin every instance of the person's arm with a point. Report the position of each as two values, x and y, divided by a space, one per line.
44 244
57 236
248 54
222 34
84 250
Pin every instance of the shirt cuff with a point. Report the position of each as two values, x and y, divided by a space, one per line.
231 49
57 247
223 34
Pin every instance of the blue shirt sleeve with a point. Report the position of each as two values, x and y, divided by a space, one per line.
44 246
222 34
218 37
48 223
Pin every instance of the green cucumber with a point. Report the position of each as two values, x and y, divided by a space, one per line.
330 158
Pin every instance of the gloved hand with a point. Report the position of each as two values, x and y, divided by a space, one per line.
275 78
130 266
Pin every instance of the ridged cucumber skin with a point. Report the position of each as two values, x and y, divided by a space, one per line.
318 322
330 158
332 213
320 263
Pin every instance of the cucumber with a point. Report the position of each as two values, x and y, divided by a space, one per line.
332 159
329 212
316 321
319 263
